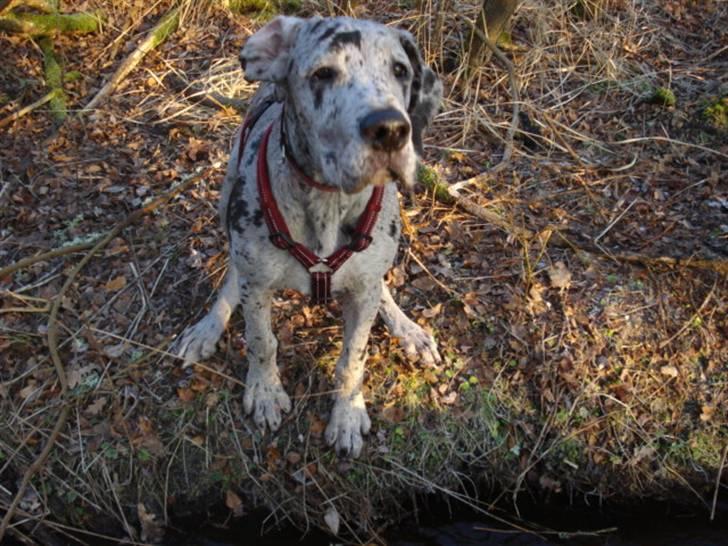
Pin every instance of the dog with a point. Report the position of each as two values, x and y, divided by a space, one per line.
310 200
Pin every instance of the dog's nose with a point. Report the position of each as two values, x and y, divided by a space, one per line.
386 130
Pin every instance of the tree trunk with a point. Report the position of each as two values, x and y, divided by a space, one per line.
492 21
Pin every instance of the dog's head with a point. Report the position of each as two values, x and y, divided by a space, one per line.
359 92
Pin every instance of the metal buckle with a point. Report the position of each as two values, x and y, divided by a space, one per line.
320 267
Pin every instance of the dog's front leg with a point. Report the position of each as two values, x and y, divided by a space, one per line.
264 394
349 419
416 342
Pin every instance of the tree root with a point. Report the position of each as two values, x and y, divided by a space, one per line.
53 344
163 29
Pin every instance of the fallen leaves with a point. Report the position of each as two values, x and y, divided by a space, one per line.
115 284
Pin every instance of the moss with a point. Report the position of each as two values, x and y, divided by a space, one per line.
49 23
429 178
266 8
716 113
663 96
54 79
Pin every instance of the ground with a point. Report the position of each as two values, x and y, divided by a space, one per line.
584 335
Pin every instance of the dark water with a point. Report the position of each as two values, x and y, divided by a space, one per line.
653 525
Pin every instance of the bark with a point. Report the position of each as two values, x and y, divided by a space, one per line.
492 22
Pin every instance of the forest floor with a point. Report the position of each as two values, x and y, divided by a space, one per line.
585 337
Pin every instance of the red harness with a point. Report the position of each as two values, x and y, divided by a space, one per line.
320 269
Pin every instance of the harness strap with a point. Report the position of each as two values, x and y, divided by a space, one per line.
320 269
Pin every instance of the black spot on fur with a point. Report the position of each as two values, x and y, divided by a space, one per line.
254 145
237 208
428 80
316 25
328 32
343 38
318 94
393 229
420 117
258 218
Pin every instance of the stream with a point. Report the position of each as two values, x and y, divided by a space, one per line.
651 524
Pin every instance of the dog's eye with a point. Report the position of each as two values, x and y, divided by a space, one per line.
400 70
324 74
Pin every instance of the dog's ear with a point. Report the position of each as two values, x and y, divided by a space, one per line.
265 55
426 92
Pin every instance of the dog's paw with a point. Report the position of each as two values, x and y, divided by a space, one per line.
198 342
348 422
265 398
418 344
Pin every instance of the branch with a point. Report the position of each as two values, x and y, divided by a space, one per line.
53 344
27 110
450 195
54 79
166 26
43 24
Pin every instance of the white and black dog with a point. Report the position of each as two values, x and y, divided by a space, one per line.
310 199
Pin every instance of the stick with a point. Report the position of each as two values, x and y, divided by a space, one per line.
166 26
53 344
450 195
719 266
25 262
28 109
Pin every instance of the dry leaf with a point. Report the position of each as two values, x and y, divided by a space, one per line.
186 395
432 311
152 530
234 503
331 517
669 370
115 284
96 407
559 276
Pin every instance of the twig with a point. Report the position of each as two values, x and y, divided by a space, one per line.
53 343
166 26
719 266
62 251
28 109
450 195
717 482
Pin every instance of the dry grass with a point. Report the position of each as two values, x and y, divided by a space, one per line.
568 370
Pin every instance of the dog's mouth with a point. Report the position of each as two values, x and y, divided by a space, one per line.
380 170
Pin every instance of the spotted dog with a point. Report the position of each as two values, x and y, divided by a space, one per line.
337 120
